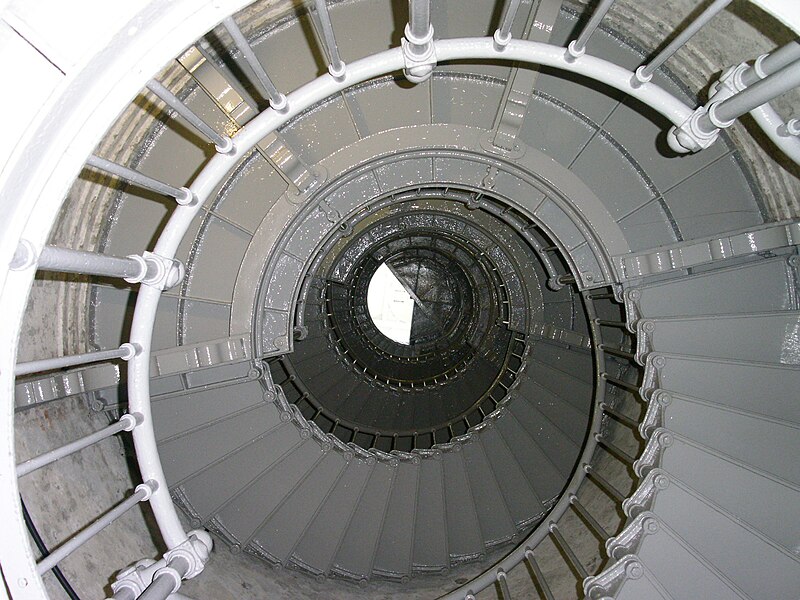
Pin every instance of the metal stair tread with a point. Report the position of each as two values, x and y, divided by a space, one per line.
245 514
768 504
758 388
321 540
763 337
712 532
209 490
280 534
355 555
733 434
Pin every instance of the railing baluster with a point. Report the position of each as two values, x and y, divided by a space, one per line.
625 420
503 34
65 260
570 554
143 492
277 100
645 72
604 483
769 63
631 387
165 581
150 269
538 576
593 523
502 581
609 323
125 352
616 352
126 423
577 47
222 143
336 67
182 195
614 450
761 92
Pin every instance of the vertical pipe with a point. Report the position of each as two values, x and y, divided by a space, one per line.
503 35
502 581
645 72
276 99
577 47
223 144
419 18
336 67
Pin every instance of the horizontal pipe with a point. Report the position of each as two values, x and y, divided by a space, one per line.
645 72
222 143
603 483
614 450
65 260
608 323
614 351
182 195
625 420
772 124
142 492
276 99
125 352
125 423
631 387
772 62
726 111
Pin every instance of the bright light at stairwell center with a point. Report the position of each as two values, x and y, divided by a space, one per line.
390 305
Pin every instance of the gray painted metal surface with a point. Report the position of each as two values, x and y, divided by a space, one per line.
269 474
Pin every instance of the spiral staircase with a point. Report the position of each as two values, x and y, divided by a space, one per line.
598 397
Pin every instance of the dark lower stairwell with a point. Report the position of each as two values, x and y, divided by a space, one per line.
593 393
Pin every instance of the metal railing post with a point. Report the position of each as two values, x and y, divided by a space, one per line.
277 100
222 143
126 423
336 68
577 47
143 492
125 352
645 72
182 195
